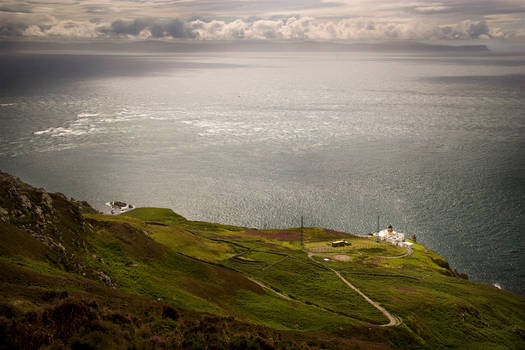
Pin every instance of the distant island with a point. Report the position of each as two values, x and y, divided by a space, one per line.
74 278
160 46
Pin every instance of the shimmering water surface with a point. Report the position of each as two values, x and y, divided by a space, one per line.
433 145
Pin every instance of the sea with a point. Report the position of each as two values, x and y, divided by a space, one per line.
433 144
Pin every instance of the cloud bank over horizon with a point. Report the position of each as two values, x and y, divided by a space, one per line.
262 20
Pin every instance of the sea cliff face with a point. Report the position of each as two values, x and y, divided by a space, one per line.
71 277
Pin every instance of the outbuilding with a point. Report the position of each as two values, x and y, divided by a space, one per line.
341 243
408 244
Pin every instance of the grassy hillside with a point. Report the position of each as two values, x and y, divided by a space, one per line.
149 278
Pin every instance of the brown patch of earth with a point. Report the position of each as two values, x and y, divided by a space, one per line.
278 235
372 261
406 289
336 233
342 257
228 237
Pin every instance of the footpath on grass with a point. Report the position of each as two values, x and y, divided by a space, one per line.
393 321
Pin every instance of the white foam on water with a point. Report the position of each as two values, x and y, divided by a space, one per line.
86 115
7 104
60 131
160 118
67 132
42 132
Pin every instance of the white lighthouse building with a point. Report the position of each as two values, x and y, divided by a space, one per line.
391 236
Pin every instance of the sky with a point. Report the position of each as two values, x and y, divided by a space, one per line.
347 20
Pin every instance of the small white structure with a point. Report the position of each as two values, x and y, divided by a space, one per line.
408 245
118 207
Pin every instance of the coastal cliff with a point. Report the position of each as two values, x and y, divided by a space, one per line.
71 277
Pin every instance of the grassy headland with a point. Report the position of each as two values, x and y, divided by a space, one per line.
149 278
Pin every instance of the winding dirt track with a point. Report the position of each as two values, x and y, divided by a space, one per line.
262 285
393 321
409 252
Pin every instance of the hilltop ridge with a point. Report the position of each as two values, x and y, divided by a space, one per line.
71 277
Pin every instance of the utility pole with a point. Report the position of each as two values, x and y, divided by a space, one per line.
302 233
378 223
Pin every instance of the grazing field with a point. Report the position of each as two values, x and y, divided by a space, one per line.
173 276
358 247
303 281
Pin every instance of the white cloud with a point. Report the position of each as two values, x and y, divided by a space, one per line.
63 30
292 28
310 28
256 20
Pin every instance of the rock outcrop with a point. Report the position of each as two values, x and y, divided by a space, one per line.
52 220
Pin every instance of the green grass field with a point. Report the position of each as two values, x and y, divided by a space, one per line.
209 268
432 304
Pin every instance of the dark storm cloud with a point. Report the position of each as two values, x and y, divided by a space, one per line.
477 29
125 27
175 28
473 30
14 9
12 29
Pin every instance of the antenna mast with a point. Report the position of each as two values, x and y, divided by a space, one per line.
302 233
